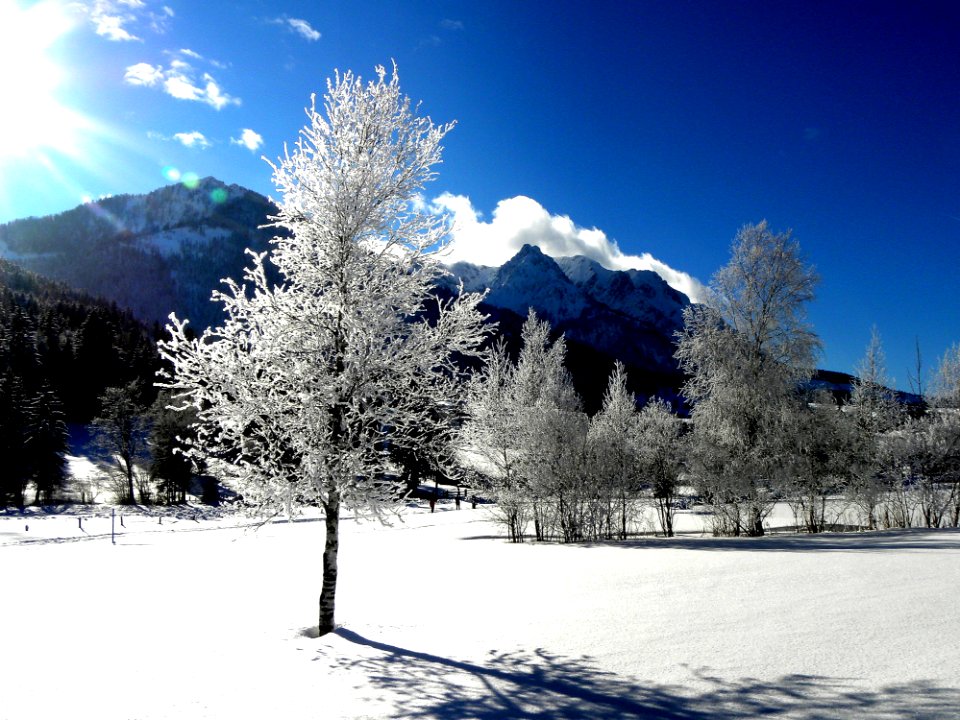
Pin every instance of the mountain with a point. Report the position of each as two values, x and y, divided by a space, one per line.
640 294
153 254
168 250
628 314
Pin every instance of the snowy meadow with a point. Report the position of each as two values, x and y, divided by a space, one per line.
441 617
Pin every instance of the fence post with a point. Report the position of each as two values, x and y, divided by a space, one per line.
113 520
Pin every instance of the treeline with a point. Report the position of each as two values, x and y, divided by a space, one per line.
59 352
756 435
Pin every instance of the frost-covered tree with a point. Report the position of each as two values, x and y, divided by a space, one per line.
872 402
526 432
927 448
491 438
527 435
923 471
745 354
946 384
876 412
553 433
827 454
306 384
946 397
661 448
615 452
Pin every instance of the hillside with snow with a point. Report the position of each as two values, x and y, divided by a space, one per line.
152 254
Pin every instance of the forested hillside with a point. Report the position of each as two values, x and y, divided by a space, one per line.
59 351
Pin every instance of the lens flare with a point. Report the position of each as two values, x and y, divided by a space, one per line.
218 196
31 78
171 173
190 180
98 210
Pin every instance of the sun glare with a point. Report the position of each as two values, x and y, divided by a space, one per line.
33 119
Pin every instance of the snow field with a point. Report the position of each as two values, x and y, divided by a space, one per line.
441 618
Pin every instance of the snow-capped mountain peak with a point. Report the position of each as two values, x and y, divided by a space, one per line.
641 294
531 279
630 314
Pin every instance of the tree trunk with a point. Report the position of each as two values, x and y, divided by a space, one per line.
128 470
329 591
623 515
756 524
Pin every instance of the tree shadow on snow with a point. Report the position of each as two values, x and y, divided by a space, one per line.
919 539
539 684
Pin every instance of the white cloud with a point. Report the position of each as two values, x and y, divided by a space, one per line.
180 87
159 21
112 19
143 74
179 80
302 27
111 27
192 139
249 139
520 221
448 24
429 41
297 25
181 59
214 96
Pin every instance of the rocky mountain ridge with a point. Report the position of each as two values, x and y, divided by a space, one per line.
629 314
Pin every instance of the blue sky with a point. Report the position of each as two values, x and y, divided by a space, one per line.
624 127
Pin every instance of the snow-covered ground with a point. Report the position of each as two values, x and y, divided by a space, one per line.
190 617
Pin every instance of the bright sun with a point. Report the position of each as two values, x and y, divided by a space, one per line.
32 119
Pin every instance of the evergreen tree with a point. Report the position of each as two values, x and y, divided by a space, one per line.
46 444
13 438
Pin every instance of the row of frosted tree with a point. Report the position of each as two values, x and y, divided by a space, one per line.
759 432
552 467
